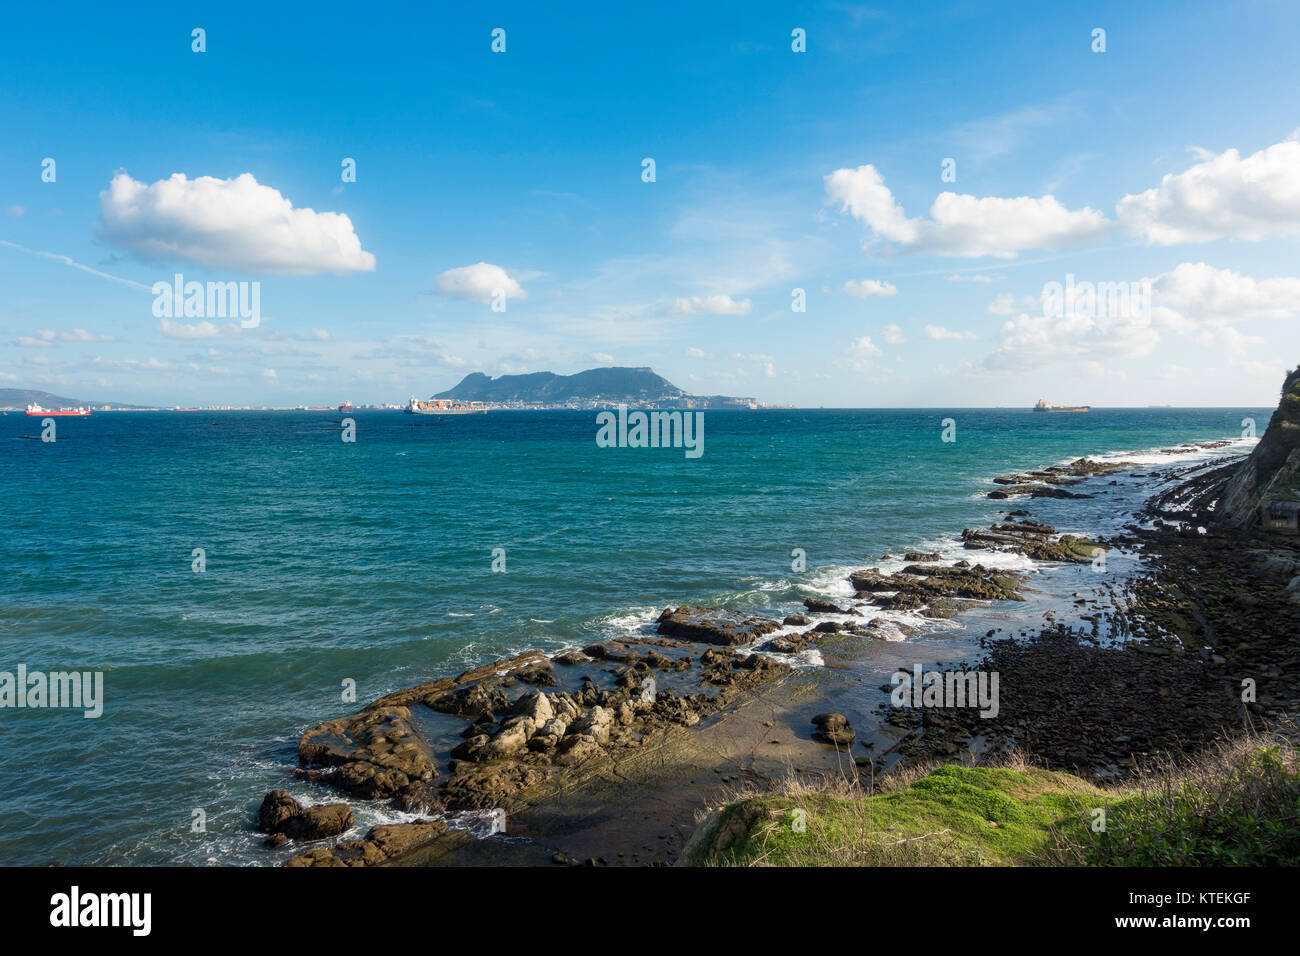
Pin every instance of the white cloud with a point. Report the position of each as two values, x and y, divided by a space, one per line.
1202 293
1004 304
962 225
695 353
229 224
978 277
712 305
197 330
603 358
892 334
1226 339
321 335
1225 195
479 282
15 211
939 333
1193 300
869 287
1040 341
865 348
44 338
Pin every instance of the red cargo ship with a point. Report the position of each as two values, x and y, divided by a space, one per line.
34 409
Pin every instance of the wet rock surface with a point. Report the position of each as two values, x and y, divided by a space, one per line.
712 625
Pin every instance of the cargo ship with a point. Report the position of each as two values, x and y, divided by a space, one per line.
34 409
347 407
442 406
1042 406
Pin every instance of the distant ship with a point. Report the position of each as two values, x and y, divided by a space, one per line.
442 406
34 409
1042 406
347 407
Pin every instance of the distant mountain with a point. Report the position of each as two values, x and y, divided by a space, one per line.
615 385
22 397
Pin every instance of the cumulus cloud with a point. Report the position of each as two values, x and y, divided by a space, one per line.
480 282
197 330
939 333
1222 196
1042 341
1201 293
44 338
1003 304
869 287
603 357
711 305
228 224
892 334
693 352
865 348
962 225
1194 300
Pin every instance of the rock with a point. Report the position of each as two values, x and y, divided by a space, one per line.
595 724
715 625
382 843
470 749
511 738
578 749
550 735
818 606
797 620
378 751
319 823
834 728
278 807
536 706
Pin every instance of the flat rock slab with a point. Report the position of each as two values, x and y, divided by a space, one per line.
715 625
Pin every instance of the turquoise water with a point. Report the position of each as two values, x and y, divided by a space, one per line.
372 561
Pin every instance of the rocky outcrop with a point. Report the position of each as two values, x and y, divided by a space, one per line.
1264 493
917 585
381 844
376 753
1037 541
282 815
715 625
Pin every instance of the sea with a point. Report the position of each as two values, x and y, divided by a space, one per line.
235 575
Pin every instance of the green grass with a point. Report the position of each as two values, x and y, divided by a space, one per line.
1236 805
965 816
1251 817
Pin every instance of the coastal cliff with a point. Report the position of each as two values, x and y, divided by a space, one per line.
1264 492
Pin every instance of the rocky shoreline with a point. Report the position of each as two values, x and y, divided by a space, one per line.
522 735
606 753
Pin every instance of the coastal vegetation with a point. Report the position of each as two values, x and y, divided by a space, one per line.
1237 803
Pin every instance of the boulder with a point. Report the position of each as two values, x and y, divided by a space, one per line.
277 809
833 728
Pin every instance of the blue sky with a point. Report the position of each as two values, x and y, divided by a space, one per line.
774 170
